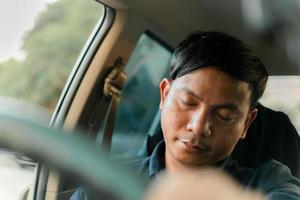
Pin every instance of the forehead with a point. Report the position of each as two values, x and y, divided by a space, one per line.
212 84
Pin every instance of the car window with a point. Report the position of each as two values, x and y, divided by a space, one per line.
282 94
40 43
146 67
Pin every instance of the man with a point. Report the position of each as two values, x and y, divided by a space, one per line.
207 107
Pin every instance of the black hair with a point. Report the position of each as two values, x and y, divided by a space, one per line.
223 51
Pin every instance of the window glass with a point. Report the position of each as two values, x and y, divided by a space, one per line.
37 71
282 94
147 65
40 42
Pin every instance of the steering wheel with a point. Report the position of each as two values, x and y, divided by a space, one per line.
73 154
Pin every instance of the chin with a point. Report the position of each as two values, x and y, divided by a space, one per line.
194 161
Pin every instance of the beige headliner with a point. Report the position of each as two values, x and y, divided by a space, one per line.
176 18
179 17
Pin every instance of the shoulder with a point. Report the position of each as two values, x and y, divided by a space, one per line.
275 179
272 171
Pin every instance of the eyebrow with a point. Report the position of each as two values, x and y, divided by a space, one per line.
230 106
190 92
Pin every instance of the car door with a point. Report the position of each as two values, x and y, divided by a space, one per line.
78 80
114 37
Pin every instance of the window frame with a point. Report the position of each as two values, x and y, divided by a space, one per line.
39 187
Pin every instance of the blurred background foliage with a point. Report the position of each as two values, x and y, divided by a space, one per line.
51 47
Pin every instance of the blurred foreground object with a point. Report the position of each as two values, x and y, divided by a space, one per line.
72 155
204 185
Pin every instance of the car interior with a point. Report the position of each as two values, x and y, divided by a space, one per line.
111 96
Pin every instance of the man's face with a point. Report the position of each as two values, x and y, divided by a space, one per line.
204 114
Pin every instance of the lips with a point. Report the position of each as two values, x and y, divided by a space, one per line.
194 148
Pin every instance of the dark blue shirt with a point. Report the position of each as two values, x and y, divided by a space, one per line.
272 178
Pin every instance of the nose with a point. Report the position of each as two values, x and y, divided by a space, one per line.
199 123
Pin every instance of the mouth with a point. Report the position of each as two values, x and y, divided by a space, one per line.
194 148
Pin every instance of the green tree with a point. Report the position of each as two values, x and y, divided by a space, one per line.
52 47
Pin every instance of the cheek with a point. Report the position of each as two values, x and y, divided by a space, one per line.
172 119
230 131
226 137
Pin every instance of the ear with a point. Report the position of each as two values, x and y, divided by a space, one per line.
164 86
250 118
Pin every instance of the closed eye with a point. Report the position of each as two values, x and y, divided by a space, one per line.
225 115
188 102
225 118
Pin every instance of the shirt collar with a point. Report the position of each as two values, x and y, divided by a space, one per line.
157 159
